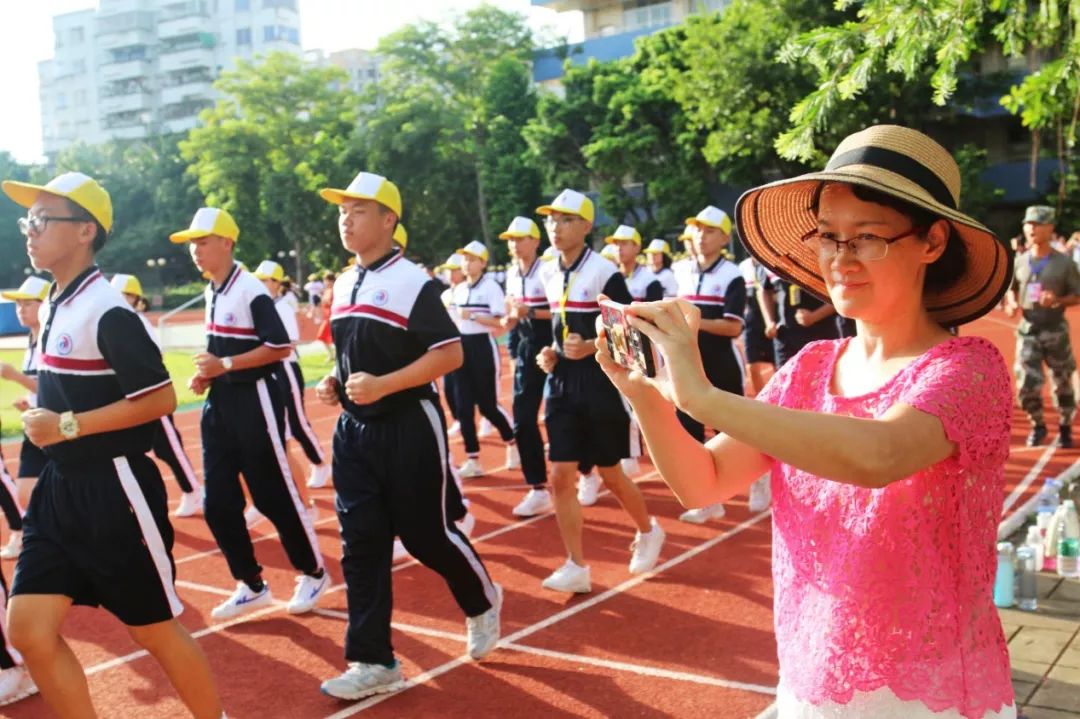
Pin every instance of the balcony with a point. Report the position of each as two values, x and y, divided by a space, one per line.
128 132
194 90
190 24
189 57
182 124
108 40
548 65
132 102
125 70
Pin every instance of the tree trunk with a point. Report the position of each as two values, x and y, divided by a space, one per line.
297 245
481 206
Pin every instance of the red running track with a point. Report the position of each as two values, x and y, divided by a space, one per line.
693 639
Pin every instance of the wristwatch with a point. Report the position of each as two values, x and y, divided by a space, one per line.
69 426
226 362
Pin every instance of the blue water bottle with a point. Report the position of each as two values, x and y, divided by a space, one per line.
1005 579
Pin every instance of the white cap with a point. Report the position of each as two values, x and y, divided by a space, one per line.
711 217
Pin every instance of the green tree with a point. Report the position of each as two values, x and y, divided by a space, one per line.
427 128
13 260
280 132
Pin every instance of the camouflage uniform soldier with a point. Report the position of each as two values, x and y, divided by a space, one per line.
1044 284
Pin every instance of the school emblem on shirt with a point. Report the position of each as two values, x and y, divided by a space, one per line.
229 318
64 344
380 298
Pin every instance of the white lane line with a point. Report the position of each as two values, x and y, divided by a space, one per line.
261 538
642 669
558 617
1036 468
768 712
203 588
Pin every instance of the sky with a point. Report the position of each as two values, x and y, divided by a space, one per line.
26 38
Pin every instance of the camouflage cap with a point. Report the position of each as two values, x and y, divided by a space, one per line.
1039 215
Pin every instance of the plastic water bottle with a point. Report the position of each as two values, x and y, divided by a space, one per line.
1035 541
1005 579
1068 549
1047 503
1027 591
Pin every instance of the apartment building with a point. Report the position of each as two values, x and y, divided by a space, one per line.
131 69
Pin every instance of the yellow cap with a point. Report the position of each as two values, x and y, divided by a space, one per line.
81 189
611 252
367 186
570 202
475 249
549 254
658 247
128 284
401 236
711 217
625 233
269 270
32 288
208 221
453 262
521 227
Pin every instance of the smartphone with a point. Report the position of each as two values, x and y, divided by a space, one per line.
627 345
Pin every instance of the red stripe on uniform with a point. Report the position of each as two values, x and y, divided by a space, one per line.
85 365
581 305
239 331
704 298
370 310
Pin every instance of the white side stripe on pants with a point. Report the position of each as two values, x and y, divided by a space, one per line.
181 455
298 404
283 462
150 532
498 379
468 552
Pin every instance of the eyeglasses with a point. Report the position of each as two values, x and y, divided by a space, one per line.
865 247
38 223
552 221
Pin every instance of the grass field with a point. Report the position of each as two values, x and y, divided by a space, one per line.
180 368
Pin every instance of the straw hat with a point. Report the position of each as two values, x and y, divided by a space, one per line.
897 161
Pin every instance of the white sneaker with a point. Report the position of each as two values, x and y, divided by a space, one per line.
588 488
400 553
313 512
320 475
13 547
307 593
191 503
15 684
467 524
703 514
486 428
242 601
364 680
646 549
253 516
630 467
569 577
537 501
513 457
471 468
760 495
482 632
454 430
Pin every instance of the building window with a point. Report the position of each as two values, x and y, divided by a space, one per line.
643 14
80 98
269 33
243 36
285 4
61 100
77 35
78 67
243 5
290 34
713 5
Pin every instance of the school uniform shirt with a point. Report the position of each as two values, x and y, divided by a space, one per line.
720 293
572 294
287 312
529 288
643 285
240 316
484 298
94 350
30 367
667 281
385 317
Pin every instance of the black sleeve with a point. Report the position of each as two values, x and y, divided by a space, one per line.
654 292
615 288
131 353
735 299
268 324
429 320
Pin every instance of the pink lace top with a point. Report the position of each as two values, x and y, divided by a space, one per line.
893 587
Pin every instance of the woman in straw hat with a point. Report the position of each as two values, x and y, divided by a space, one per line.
886 450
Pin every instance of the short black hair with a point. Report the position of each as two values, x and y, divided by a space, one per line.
952 263
77 210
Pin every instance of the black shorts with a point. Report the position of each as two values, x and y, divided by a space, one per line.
585 417
100 534
31 459
759 348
